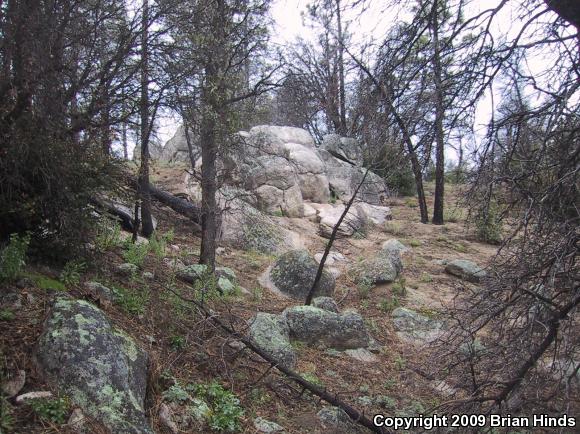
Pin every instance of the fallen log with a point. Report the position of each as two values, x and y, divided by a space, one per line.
177 204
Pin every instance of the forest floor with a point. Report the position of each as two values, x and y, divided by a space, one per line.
188 347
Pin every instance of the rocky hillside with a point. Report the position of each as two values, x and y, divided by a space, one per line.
121 341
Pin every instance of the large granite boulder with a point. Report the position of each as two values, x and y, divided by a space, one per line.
328 216
294 272
314 325
245 227
310 170
465 270
270 333
343 148
98 366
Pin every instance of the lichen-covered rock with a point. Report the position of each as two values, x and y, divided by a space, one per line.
343 148
270 332
99 367
191 273
385 267
336 421
318 326
245 227
466 270
329 216
100 292
412 326
326 303
267 426
127 269
294 272
395 246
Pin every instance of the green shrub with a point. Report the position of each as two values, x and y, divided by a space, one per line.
364 287
6 315
108 234
389 304
54 410
13 257
72 272
6 418
177 342
135 253
399 288
452 215
131 300
47 283
488 225
158 243
226 411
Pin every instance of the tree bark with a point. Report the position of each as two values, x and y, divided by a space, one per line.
439 115
147 222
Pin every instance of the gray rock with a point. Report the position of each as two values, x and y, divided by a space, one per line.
465 270
99 367
414 327
14 384
326 303
267 426
318 326
100 292
395 245
336 421
191 273
362 355
127 269
343 148
329 216
270 332
385 267
294 272
226 273
225 285
148 275
245 227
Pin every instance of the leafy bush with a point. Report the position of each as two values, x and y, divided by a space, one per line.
389 304
72 272
225 407
6 418
13 257
54 410
364 287
131 300
108 234
135 253
158 243
488 225
6 315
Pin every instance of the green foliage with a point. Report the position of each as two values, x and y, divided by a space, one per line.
488 225
135 253
364 287
158 243
400 363
414 243
393 228
6 418
72 272
426 278
13 257
132 301
389 304
453 215
399 288
108 234
411 202
312 378
177 342
226 411
47 283
257 293
176 394
54 410
6 315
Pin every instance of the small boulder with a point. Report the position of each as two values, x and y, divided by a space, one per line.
326 303
266 426
100 292
294 272
99 367
385 267
318 326
191 273
270 332
336 421
127 269
412 326
465 270
395 245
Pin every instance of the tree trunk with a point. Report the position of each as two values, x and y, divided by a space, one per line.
439 115
341 90
146 220
209 148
